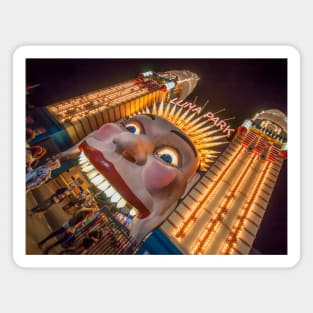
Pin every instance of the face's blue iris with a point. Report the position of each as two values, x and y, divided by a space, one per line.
167 154
131 128
167 158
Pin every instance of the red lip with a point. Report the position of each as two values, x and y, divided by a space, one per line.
108 170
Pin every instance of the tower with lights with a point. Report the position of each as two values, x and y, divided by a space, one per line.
83 114
223 212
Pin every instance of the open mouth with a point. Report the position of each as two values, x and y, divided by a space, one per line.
105 177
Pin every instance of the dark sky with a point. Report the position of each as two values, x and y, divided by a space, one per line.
242 86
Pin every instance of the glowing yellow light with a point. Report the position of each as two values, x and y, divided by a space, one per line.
197 210
133 212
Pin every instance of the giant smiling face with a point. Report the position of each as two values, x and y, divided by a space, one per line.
150 162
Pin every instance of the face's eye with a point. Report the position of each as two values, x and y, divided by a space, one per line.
168 155
134 127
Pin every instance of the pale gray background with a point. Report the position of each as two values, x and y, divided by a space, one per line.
155 22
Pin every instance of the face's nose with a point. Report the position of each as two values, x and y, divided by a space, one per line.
134 148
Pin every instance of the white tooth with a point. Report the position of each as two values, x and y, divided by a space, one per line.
92 174
85 165
116 197
81 162
104 186
121 203
109 192
82 156
97 180
87 168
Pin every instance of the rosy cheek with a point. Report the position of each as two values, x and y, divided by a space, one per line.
106 131
157 176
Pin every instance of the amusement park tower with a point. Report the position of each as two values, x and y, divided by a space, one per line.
223 212
82 114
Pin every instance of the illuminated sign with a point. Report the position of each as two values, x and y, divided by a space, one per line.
219 123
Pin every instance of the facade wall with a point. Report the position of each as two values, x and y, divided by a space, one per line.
223 212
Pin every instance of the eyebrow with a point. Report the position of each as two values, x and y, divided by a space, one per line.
151 116
185 139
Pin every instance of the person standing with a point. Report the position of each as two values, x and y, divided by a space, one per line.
40 175
69 228
59 195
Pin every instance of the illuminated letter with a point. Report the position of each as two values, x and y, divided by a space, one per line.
173 101
180 103
189 106
197 110
209 115
221 124
215 120
228 130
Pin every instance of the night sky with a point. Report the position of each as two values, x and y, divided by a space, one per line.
242 86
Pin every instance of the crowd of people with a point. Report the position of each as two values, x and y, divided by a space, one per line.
104 235
82 208
89 231
70 228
